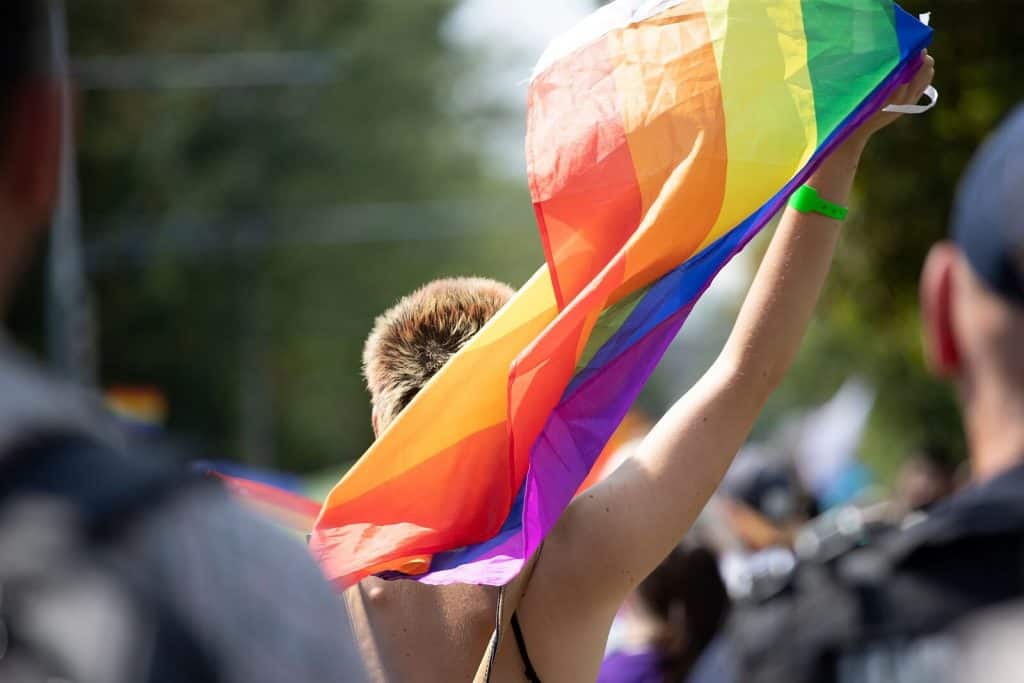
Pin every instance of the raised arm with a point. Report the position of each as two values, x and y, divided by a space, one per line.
613 536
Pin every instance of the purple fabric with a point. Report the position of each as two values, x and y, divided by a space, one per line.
489 562
581 425
631 667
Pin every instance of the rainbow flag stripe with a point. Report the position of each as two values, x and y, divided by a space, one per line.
662 136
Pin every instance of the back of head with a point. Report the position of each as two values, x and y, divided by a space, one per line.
988 215
415 338
972 301
973 286
686 592
771 489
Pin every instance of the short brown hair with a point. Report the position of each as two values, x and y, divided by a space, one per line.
412 340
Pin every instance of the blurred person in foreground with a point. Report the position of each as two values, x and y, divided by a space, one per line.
557 613
937 601
114 567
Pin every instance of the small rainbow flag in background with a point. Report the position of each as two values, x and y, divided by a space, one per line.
142 409
662 136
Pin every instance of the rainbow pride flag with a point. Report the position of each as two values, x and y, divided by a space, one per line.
662 136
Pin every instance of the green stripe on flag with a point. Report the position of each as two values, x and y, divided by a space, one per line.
611 319
851 46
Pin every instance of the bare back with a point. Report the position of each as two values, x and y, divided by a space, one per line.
412 633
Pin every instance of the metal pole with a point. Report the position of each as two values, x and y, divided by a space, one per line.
70 320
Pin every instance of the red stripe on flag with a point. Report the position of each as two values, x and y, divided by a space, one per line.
403 528
577 137
289 509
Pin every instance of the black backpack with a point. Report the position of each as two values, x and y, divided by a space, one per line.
70 610
892 595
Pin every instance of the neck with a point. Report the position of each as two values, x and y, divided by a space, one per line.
994 419
14 250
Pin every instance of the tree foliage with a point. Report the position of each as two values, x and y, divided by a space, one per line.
243 239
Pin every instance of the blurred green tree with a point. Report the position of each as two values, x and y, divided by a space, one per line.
244 237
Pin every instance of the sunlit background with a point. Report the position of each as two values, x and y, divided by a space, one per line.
257 180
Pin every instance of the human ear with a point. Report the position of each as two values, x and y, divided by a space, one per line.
942 350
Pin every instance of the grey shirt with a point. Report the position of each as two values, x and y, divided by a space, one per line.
247 591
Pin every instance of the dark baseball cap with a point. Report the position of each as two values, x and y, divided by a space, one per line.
988 212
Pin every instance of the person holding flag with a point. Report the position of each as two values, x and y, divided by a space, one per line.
554 616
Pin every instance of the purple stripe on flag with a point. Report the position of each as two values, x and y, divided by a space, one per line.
581 425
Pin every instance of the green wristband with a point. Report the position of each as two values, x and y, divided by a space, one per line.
807 200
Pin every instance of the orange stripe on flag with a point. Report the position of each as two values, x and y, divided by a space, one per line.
401 523
675 122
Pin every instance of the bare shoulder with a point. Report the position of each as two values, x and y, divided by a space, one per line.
402 624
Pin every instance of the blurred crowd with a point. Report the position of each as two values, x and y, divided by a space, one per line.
761 576
115 567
